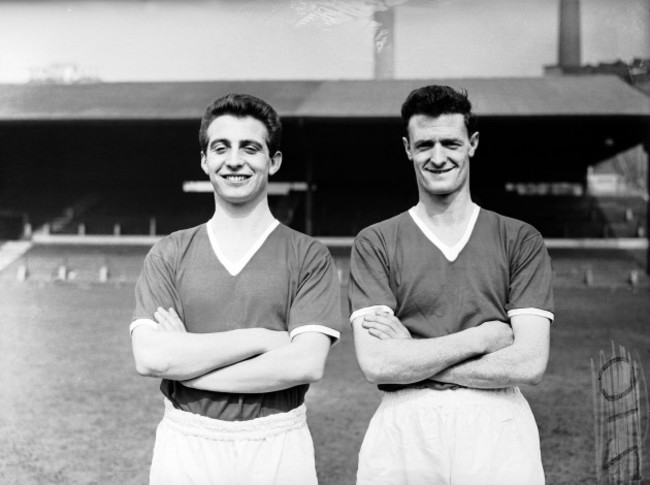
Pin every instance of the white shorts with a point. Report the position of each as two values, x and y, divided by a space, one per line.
459 437
196 450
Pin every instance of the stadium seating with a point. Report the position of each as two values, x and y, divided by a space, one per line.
336 211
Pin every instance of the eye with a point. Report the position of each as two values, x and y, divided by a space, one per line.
219 149
251 149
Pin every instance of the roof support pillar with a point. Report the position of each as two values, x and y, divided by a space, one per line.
646 149
309 178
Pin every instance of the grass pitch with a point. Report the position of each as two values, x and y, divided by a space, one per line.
73 410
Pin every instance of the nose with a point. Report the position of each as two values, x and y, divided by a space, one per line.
438 155
234 160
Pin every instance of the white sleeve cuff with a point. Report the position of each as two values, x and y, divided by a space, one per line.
330 332
370 309
531 311
140 322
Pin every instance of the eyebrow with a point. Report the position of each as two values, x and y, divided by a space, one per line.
252 142
226 142
443 141
420 143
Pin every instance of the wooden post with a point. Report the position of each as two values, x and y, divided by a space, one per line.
103 274
21 274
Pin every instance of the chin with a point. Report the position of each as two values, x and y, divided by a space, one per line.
440 191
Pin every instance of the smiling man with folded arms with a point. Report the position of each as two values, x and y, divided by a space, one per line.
237 317
451 311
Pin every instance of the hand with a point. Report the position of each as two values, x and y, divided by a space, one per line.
275 338
385 326
169 321
495 335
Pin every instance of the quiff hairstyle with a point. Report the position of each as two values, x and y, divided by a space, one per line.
434 101
240 106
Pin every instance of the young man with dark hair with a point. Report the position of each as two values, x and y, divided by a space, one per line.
451 310
237 317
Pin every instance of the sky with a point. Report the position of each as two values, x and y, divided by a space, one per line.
167 40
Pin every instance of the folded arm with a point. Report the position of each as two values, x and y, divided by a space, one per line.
387 354
523 362
300 362
168 351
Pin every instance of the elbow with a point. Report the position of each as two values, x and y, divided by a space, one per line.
535 375
371 374
374 371
313 373
534 378
149 356
145 370
149 365
313 377
373 378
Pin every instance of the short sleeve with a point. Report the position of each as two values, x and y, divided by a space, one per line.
369 275
531 281
155 288
316 305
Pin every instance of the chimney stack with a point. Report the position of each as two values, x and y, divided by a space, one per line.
569 35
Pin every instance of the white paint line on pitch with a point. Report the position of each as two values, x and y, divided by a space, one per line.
11 251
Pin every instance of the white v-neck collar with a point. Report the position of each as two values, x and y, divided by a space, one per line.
235 267
450 252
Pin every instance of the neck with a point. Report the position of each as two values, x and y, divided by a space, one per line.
446 209
242 218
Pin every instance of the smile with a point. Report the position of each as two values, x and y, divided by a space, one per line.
439 171
236 177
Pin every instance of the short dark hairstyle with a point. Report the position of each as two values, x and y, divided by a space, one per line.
437 100
240 106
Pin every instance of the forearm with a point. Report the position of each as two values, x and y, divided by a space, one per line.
522 363
512 366
403 361
180 356
280 368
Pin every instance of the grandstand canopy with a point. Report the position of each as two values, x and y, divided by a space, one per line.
598 95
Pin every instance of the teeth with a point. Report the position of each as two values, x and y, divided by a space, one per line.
236 178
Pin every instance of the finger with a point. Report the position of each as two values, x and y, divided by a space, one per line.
391 325
376 317
163 323
169 314
383 333
168 321
378 326
175 321
160 314
393 328
163 314
379 334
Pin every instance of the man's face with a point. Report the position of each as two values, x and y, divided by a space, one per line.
237 159
440 150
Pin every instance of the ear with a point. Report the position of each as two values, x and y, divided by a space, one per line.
204 163
276 162
473 144
407 147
